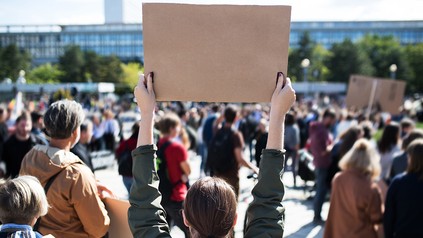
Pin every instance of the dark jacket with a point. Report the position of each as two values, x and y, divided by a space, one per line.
265 214
82 152
404 207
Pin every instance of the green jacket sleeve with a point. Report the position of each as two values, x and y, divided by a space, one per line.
146 216
266 215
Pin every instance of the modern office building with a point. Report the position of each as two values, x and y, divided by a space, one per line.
47 42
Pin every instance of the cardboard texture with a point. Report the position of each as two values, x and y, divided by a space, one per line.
118 213
389 93
215 53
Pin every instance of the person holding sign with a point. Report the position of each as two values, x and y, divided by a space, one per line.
210 206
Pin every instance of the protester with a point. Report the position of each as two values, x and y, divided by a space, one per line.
210 210
208 132
225 151
178 169
4 134
404 208
356 200
81 147
97 142
388 147
261 140
18 144
124 157
407 125
76 209
111 130
292 144
399 163
38 126
320 141
344 144
22 202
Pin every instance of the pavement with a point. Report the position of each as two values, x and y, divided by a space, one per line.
297 201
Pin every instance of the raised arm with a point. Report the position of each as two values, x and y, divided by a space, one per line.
266 214
146 216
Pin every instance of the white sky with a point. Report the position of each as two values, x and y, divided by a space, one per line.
31 12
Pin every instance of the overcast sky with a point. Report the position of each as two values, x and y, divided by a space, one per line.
30 12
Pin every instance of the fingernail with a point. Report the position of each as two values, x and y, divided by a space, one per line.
152 77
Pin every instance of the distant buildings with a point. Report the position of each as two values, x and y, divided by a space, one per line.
47 42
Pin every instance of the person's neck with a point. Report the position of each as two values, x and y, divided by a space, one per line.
228 125
22 137
63 144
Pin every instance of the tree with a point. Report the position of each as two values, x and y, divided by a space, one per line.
414 55
92 66
347 58
130 74
45 73
384 51
72 64
304 51
12 60
110 70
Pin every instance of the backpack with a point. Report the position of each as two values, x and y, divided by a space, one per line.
220 156
125 162
165 186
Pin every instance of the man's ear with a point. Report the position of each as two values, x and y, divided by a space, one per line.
185 220
235 219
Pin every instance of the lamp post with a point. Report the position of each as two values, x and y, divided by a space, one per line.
305 63
393 69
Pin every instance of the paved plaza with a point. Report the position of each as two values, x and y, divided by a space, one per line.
297 201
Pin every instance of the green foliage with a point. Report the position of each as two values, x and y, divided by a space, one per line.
131 73
72 63
414 55
12 60
384 51
45 73
304 51
347 58
110 70
79 66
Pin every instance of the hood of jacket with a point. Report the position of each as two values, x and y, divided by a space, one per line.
45 161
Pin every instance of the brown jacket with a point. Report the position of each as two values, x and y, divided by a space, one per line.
355 206
75 211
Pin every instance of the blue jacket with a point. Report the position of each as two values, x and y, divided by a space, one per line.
18 231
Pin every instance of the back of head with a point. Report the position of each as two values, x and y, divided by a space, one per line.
362 157
210 208
21 200
167 122
349 137
390 137
62 118
230 113
415 155
414 134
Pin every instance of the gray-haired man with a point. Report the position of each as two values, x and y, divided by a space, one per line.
76 209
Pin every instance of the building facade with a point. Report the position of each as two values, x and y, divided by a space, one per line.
47 43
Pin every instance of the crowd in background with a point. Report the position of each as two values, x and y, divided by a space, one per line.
364 175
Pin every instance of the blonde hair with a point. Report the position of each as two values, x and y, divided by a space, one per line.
21 200
362 157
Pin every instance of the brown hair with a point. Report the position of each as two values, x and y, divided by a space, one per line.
168 121
415 155
210 208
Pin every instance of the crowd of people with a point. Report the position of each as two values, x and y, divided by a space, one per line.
375 185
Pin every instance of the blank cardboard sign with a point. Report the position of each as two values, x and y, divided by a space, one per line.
215 53
388 95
